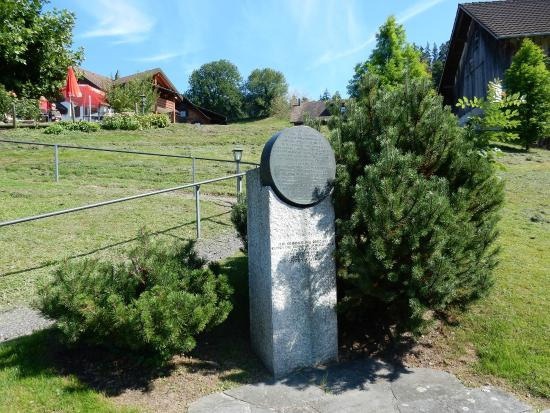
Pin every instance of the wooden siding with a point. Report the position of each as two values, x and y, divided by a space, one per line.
484 59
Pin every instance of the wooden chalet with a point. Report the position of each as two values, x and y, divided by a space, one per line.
170 101
485 37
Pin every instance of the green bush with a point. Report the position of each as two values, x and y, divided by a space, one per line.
153 120
135 122
112 122
239 220
529 76
27 109
416 207
79 126
158 300
5 101
55 129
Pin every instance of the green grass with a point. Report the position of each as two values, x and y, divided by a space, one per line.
27 188
511 328
30 383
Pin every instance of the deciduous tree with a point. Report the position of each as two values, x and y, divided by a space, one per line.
35 48
262 89
217 86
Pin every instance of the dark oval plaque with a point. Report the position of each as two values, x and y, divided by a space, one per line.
298 163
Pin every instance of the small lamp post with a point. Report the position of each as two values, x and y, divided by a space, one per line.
238 155
142 104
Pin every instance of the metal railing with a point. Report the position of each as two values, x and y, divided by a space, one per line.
196 185
56 147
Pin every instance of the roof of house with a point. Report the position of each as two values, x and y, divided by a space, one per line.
502 19
99 81
147 73
315 109
511 18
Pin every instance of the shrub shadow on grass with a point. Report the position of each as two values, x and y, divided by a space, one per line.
104 370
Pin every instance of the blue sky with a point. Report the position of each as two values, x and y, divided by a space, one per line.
315 43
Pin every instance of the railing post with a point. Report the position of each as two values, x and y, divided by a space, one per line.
239 181
198 209
13 113
193 169
56 162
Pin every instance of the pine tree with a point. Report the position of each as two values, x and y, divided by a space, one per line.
416 205
529 76
392 59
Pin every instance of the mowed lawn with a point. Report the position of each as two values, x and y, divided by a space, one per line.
510 330
27 188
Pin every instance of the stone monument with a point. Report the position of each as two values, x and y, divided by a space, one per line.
292 276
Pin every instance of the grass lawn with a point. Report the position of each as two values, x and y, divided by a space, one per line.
510 330
27 188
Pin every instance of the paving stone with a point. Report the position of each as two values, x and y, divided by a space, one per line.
343 377
375 398
420 384
218 402
362 386
486 400
275 395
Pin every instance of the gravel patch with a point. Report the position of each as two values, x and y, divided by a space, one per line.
216 249
21 321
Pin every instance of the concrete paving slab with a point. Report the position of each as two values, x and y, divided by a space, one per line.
275 395
358 387
377 397
421 384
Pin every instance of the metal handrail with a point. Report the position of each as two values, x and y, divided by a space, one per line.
128 198
91 148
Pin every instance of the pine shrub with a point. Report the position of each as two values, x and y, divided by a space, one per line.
416 206
157 300
239 220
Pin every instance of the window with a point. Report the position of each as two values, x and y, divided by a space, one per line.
183 114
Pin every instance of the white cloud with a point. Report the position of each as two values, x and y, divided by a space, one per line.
413 11
120 19
162 57
417 9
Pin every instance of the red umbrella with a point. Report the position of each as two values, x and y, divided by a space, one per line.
71 88
71 85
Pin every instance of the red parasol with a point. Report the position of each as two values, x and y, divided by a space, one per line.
71 85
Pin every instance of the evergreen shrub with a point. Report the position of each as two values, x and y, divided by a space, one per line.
416 206
157 300
239 220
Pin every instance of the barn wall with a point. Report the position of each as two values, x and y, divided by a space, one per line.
484 59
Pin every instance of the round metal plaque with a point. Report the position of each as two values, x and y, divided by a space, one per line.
298 163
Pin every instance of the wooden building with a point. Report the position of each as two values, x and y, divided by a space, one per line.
316 109
485 37
170 100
